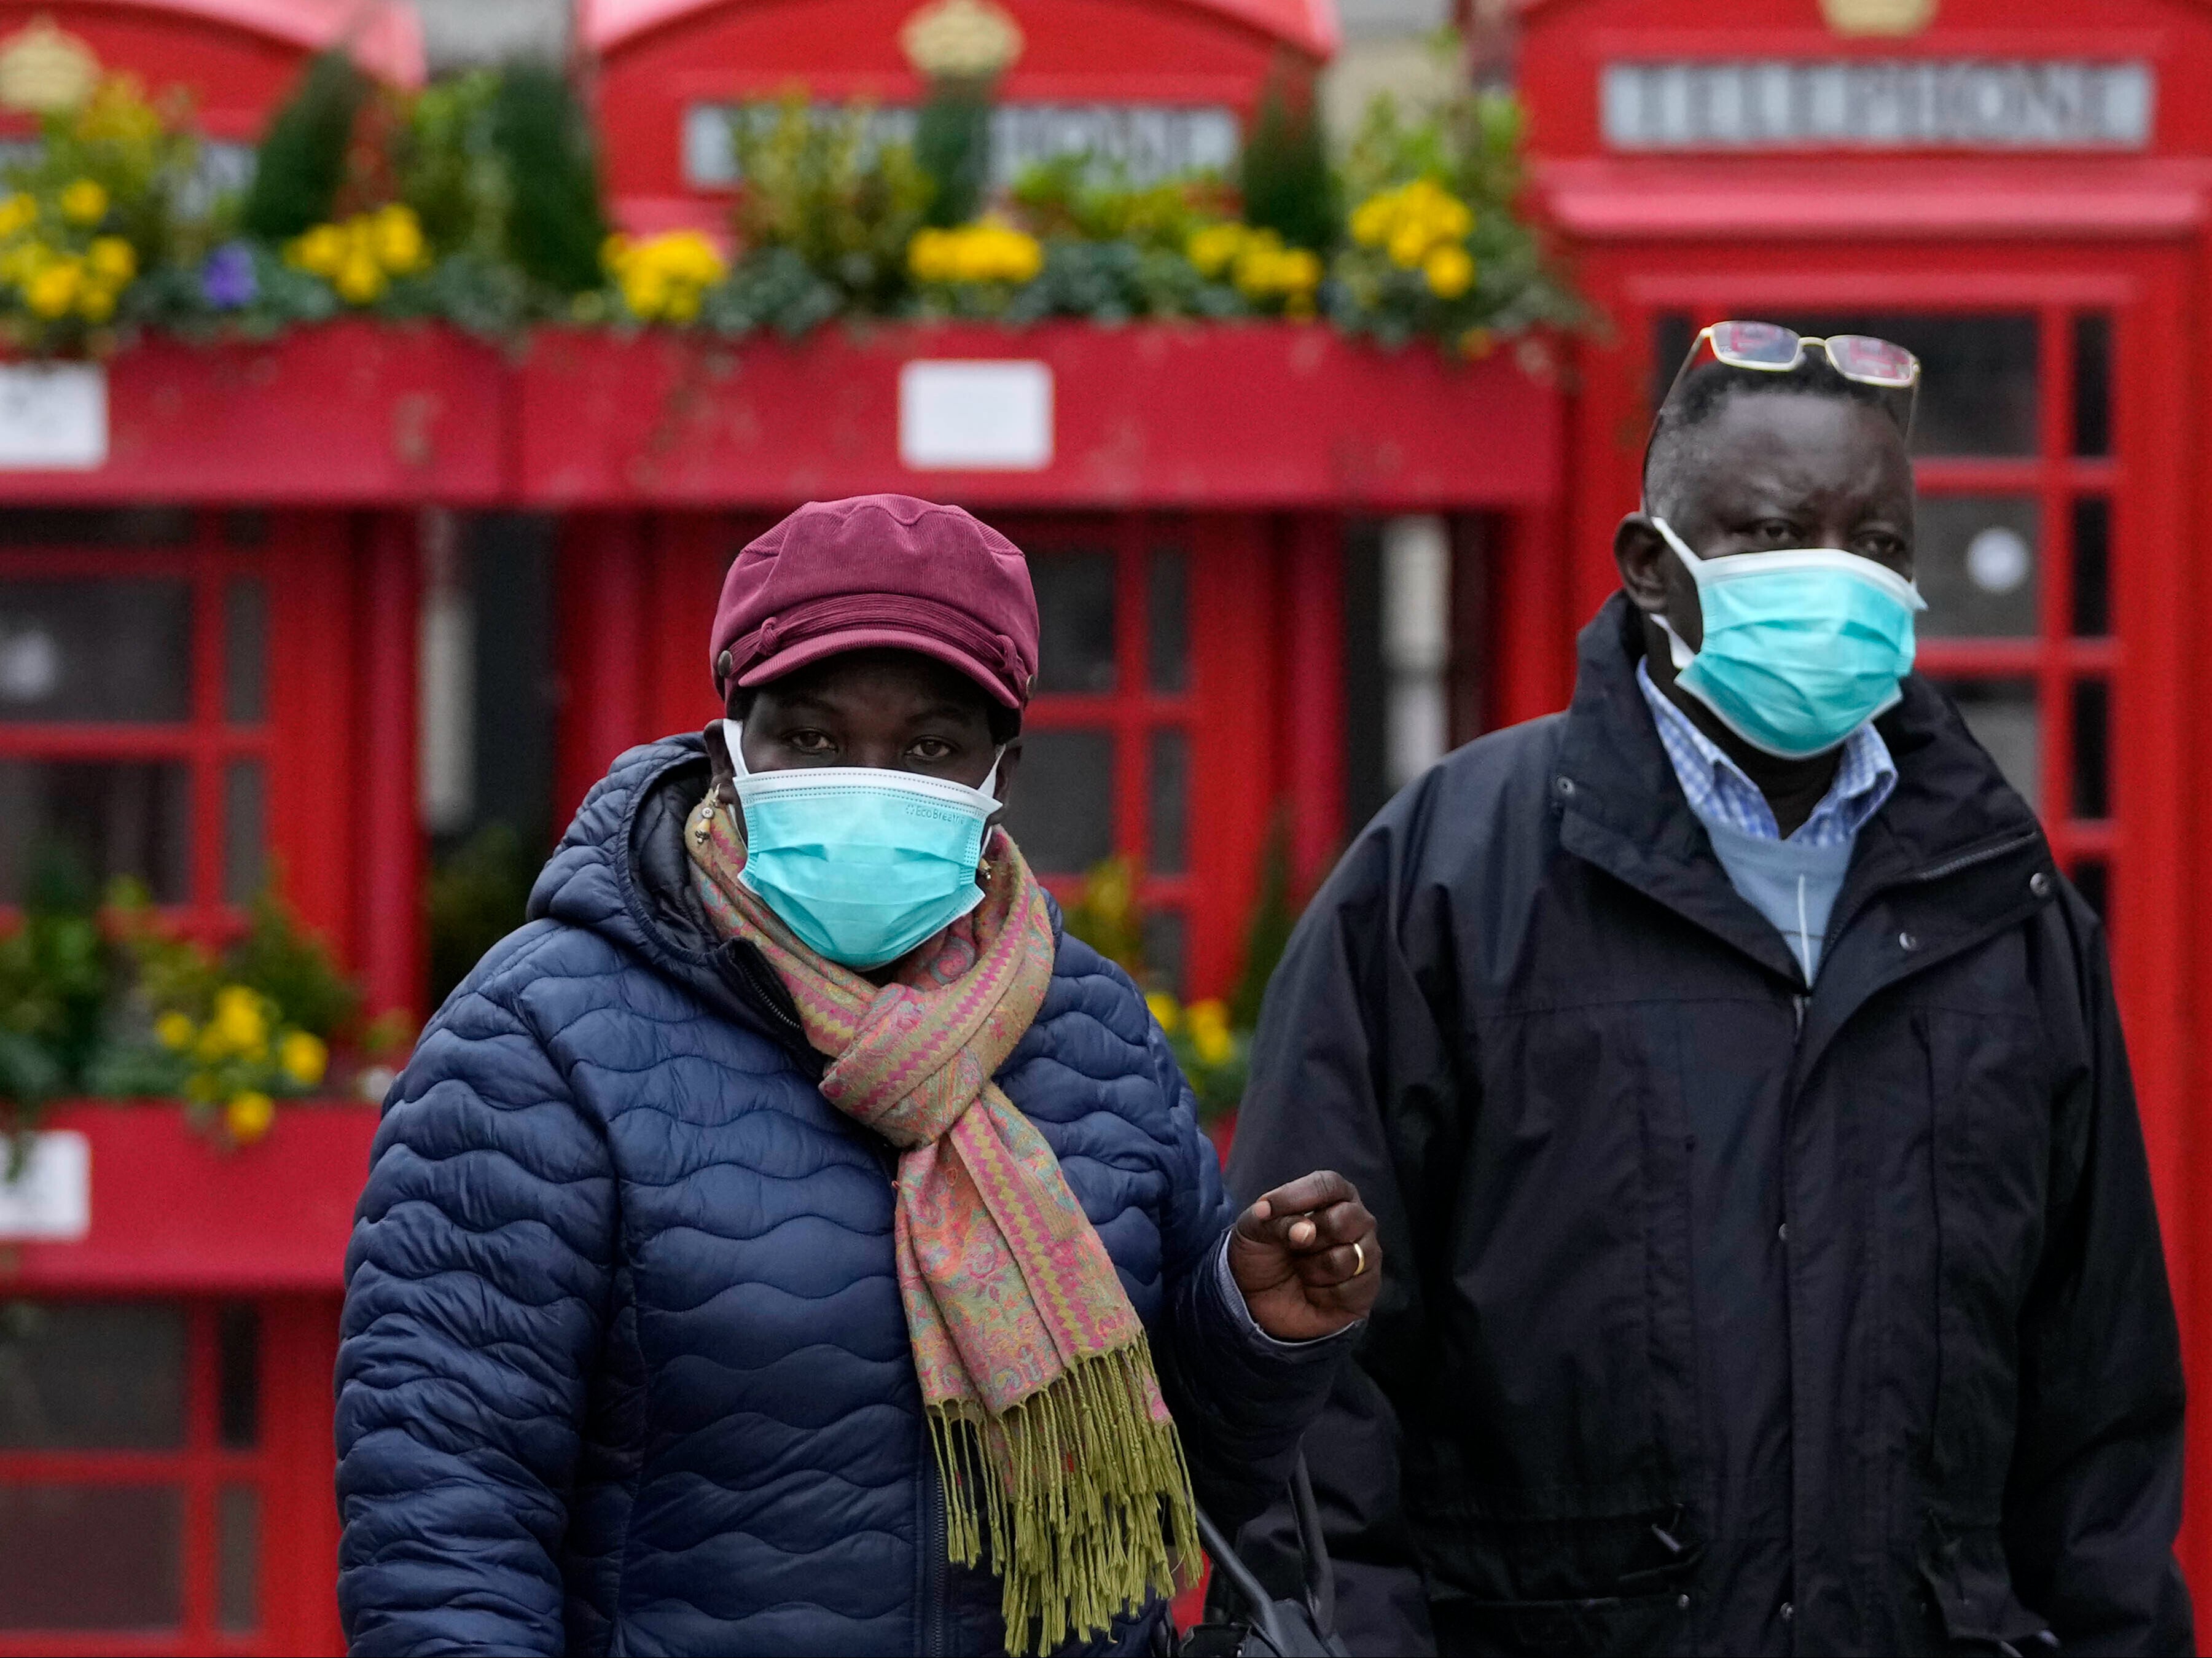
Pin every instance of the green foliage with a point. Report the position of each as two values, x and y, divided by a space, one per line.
824 187
1470 146
1283 173
303 161
55 974
952 147
450 167
478 893
556 223
279 959
1267 929
1107 915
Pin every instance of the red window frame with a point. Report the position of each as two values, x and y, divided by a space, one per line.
1135 711
207 561
289 1466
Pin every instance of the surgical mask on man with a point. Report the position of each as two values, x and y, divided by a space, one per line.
1801 646
862 862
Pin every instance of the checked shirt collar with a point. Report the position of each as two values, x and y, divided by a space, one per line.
1719 792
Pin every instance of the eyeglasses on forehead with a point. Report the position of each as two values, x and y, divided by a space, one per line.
1769 347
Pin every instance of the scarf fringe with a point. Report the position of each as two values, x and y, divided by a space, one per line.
1084 1498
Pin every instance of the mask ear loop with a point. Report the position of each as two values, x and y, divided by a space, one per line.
1677 648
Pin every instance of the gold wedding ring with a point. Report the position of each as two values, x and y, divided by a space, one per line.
1359 1259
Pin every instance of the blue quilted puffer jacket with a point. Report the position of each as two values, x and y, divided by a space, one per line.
623 1367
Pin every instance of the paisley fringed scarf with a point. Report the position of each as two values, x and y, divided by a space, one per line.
1050 1433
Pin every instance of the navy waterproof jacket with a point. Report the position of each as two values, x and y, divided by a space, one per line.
624 1368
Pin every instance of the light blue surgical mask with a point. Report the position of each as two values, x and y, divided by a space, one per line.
862 862
1801 646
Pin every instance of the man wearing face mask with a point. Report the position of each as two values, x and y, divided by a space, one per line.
792 1241
1737 1085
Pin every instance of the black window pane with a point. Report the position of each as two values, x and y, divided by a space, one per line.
93 650
2091 880
1671 334
245 830
89 1557
113 526
2001 715
245 528
237 1354
91 1375
1168 648
1978 374
2093 567
1075 606
245 652
114 817
1169 802
1979 566
238 1558
1063 811
2093 384
1166 944
2093 762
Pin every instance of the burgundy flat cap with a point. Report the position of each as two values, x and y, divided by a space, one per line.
879 570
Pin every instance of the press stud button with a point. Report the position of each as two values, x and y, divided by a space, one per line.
1564 787
2039 884
1908 941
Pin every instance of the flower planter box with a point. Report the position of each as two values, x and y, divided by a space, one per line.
1148 415
350 413
173 1211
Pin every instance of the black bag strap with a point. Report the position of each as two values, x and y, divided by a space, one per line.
1278 1622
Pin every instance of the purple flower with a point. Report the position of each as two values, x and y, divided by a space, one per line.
227 279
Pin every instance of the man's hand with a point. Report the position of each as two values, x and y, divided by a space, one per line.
1307 1258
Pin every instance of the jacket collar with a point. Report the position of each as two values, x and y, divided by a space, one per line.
1622 808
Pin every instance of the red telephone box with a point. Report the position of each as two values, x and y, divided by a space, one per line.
2018 194
1158 87
207 681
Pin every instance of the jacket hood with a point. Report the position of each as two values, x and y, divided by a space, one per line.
621 872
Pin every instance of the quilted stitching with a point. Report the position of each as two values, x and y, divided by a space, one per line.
623 1367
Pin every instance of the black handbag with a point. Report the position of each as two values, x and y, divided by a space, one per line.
1243 1620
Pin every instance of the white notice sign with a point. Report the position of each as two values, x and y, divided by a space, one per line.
978 416
52 1197
53 416
1869 103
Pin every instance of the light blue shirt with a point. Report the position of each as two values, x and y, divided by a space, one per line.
1792 883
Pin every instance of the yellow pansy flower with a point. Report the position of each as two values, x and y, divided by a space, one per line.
1165 1009
396 234
18 213
248 1116
240 1021
1449 270
51 292
1209 1032
175 1031
320 251
302 1057
84 202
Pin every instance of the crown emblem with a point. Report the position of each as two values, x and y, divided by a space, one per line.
43 70
1878 16
961 39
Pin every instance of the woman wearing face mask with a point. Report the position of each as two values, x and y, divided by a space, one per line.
790 1241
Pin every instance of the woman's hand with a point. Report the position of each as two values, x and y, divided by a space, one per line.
1307 1258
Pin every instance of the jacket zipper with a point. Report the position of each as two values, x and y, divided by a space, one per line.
937 1564
1968 859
